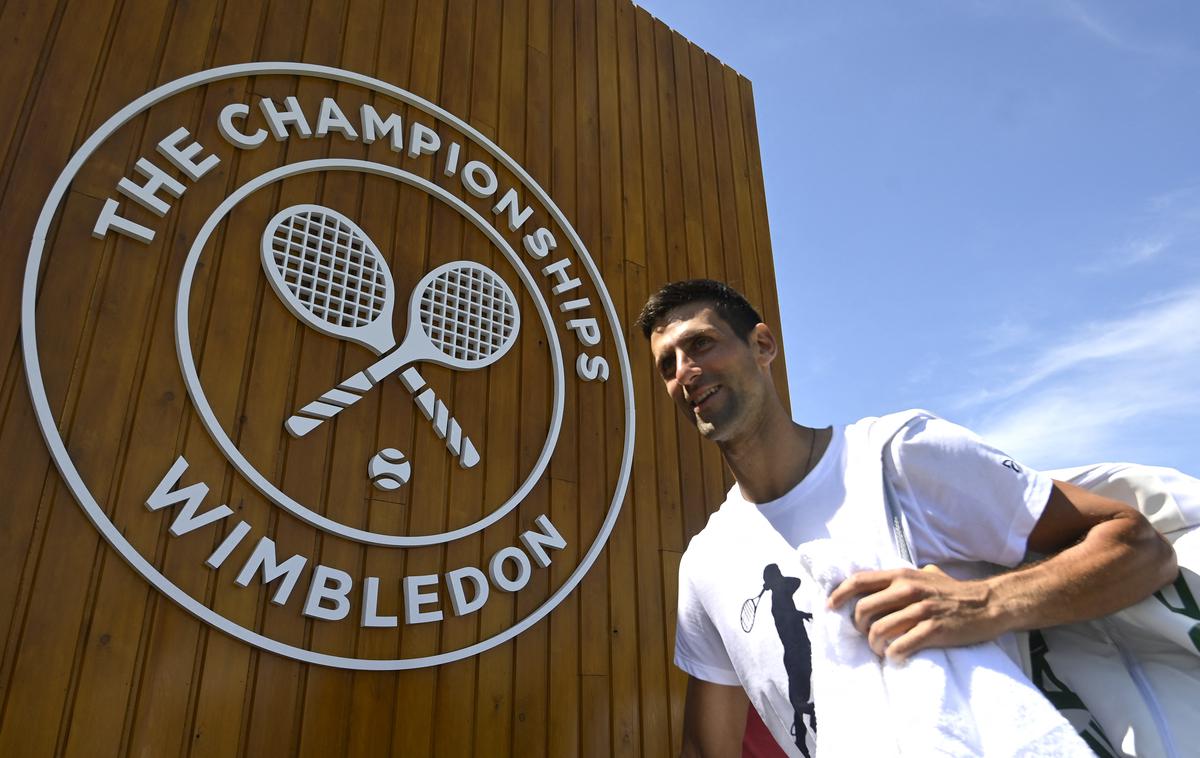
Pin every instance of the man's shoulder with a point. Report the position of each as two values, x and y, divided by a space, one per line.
878 431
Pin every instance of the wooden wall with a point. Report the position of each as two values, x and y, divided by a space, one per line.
647 144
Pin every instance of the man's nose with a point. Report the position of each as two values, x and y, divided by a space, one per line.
686 369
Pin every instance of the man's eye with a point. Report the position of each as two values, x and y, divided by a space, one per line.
701 342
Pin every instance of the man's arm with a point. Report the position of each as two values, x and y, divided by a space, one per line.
1105 557
714 720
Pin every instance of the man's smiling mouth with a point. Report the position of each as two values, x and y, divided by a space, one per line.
703 397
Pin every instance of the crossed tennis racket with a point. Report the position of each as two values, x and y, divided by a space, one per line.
331 276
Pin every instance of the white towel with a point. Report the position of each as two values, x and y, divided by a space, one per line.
965 701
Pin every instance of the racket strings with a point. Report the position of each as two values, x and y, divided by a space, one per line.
467 313
328 268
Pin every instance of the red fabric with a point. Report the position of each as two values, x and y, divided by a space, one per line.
757 742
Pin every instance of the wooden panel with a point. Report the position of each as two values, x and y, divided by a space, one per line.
646 144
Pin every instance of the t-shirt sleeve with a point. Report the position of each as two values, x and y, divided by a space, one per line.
964 499
698 647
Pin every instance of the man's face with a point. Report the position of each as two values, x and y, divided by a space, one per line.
715 378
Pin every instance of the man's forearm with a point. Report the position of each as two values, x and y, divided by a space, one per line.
1118 563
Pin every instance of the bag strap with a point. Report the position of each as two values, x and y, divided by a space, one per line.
897 524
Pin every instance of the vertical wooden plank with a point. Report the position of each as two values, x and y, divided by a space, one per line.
624 586
747 244
726 178
706 159
595 656
693 208
762 235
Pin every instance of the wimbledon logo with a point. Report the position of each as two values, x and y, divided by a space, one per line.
327 367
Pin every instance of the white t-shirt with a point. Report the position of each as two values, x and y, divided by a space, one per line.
743 611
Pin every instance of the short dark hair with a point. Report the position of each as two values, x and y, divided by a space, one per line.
728 302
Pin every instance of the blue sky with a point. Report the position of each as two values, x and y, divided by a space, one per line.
987 209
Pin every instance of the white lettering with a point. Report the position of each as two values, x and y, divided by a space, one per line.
232 540
586 329
230 132
574 305
146 194
485 187
370 614
264 556
516 219
373 127
108 219
321 590
590 367
330 118
422 139
496 569
537 542
452 158
191 496
278 121
184 158
540 243
458 597
414 599
558 270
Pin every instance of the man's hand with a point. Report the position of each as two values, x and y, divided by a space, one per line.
902 611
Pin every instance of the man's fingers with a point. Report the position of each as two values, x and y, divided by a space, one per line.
884 632
861 583
916 639
901 593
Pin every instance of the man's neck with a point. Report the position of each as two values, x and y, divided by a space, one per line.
774 458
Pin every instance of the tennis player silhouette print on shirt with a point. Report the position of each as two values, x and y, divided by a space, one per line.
797 651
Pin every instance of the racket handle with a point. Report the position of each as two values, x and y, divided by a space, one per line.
353 389
444 425
329 404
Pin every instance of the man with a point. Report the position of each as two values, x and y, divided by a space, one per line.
971 510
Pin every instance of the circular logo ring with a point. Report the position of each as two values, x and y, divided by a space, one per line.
191 378
91 506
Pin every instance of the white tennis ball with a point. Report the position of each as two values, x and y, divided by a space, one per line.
389 469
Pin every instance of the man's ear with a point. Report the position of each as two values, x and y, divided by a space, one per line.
762 340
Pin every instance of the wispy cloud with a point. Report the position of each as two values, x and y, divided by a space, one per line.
1169 220
1072 400
1006 334
1091 21
1093 25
